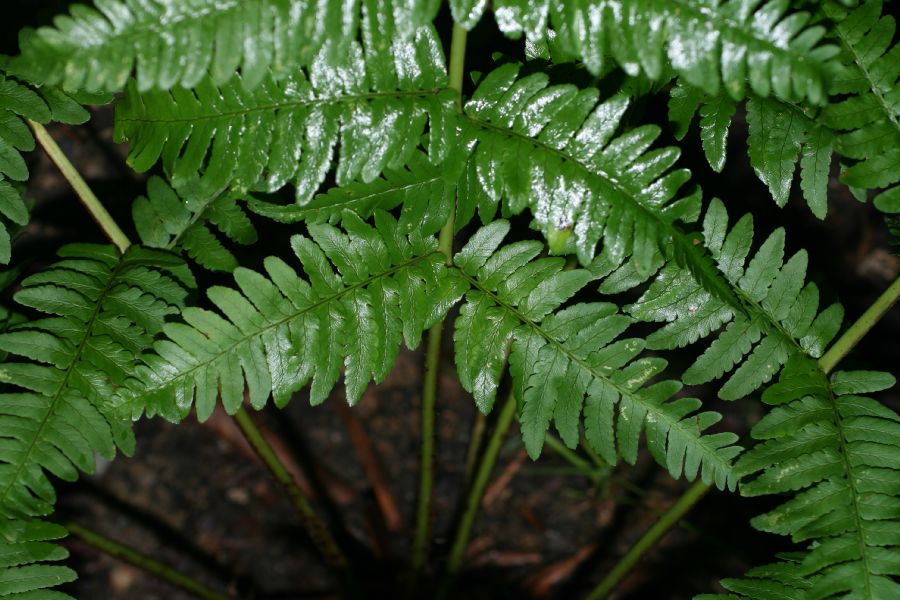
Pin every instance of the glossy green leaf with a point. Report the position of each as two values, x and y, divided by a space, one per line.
103 310
277 332
831 450
770 316
420 188
569 366
715 118
584 183
287 131
732 44
173 43
776 135
867 119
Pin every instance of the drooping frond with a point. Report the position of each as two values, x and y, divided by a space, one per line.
25 545
374 106
710 43
553 149
164 220
19 102
549 148
420 188
838 454
869 118
569 365
103 310
775 317
716 113
280 331
177 42
780 134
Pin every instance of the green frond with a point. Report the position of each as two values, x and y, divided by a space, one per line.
772 315
862 123
868 118
171 43
569 365
837 453
164 220
278 332
25 545
374 106
716 113
103 310
553 149
711 44
780 134
19 102
585 184
420 188
768 582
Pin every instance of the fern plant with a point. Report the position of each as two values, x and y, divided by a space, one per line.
400 185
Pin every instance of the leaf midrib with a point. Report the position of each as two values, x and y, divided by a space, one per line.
336 207
624 392
98 305
290 105
854 493
876 91
140 28
725 288
144 390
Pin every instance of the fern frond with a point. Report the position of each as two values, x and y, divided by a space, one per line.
164 220
779 135
711 44
19 102
103 311
716 113
869 118
775 316
420 188
25 545
549 148
374 106
553 149
837 452
279 332
177 42
569 364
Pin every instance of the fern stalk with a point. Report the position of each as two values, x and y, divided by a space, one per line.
426 467
476 438
312 523
567 455
827 363
87 197
473 500
649 539
133 557
861 327
433 348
